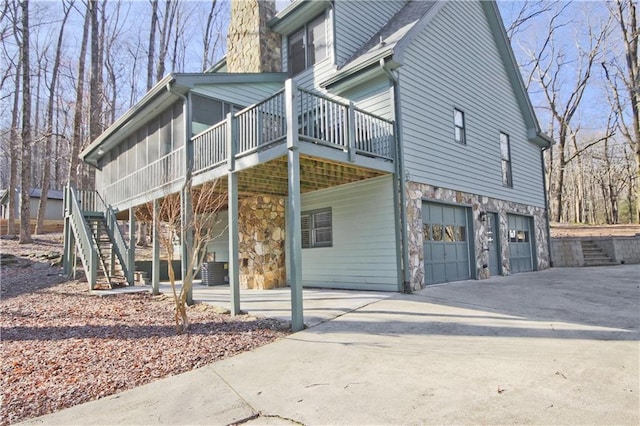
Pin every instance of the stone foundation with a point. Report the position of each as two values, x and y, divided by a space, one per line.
261 242
417 193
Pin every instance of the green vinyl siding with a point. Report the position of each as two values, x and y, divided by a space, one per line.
244 94
454 63
356 22
363 251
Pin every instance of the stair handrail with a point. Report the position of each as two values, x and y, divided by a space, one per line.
87 247
115 234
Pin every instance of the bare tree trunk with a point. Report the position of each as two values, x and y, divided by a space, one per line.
95 83
207 44
15 157
77 141
152 43
25 210
46 173
170 7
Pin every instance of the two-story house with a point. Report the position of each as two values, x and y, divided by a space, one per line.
382 145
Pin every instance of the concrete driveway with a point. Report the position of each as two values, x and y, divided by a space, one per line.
554 347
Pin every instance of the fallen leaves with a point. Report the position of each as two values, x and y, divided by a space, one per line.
62 347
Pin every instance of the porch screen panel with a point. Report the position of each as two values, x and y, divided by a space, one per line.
141 147
165 133
153 141
206 113
122 159
131 154
177 127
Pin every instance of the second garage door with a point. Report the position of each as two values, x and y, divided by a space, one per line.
446 243
520 243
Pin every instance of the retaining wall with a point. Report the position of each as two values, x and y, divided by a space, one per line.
568 251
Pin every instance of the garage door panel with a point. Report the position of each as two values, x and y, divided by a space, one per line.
520 244
446 243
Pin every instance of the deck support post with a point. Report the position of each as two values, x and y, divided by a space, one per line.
351 137
66 256
293 232
155 264
131 267
234 266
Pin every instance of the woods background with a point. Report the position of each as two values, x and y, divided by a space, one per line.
69 68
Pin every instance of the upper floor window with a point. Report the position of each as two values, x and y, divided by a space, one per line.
459 128
505 153
317 228
308 45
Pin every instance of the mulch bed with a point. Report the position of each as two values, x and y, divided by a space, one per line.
62 346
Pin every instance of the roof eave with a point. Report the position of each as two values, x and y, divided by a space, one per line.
296 14
349 72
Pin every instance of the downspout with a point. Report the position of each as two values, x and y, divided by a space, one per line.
400 191
186 111
546 202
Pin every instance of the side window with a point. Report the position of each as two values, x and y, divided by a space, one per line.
297 62
505 153
308 45
317 228
459 132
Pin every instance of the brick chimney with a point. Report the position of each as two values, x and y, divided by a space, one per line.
252 47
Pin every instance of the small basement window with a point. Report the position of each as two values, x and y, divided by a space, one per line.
317 228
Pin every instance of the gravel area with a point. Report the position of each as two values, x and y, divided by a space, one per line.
62 346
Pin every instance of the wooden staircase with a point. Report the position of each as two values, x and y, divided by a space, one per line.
594 255
110 270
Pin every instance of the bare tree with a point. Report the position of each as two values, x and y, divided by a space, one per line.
25 190
623 76
563 100
208 201
210 37
13 134
77 141
46 173
151 54
170 8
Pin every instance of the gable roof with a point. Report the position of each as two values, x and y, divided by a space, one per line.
388 45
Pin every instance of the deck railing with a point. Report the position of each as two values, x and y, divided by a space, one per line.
91 201
164 171
327 121
210 147
261 124
373 135
84 241
322 119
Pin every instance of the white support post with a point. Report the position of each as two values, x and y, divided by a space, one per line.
131 267
351 138
155 265
234 266
294 233
231 142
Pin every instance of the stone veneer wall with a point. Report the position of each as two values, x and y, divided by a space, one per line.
417 193
251 46
261 242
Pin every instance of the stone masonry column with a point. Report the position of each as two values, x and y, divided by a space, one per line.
252 47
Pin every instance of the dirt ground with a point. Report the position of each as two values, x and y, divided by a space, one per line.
62 346
559 230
